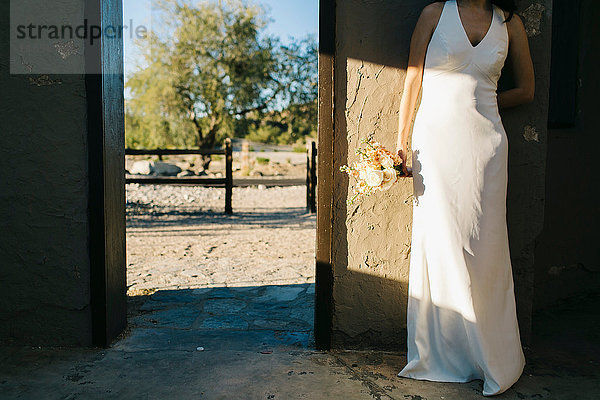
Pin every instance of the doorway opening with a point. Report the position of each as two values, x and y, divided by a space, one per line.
208 71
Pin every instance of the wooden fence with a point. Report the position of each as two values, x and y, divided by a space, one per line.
228 181
311 176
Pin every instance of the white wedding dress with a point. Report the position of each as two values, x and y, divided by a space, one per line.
461 318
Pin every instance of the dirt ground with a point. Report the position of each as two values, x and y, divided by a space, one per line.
179 238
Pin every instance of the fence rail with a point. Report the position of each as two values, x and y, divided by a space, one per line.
228 182
176 180
166 152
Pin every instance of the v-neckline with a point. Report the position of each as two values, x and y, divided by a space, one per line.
465 31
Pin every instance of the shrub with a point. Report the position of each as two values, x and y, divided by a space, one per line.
262 160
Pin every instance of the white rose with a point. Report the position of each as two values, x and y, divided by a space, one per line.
389 177
387 162
362 174
374 177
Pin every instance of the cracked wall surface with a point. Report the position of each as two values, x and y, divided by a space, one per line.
44 261
371 239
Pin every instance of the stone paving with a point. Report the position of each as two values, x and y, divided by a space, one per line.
277 315
256 343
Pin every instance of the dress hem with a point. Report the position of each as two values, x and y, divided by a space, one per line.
446 380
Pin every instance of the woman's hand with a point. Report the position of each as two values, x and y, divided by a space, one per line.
405 168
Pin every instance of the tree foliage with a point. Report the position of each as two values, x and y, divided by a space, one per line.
299 78
210 72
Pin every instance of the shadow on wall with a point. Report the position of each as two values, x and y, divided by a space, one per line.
369 308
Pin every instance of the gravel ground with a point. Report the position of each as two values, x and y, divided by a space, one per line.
178 237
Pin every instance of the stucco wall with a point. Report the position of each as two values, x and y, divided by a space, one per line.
371 239
44 263
567 255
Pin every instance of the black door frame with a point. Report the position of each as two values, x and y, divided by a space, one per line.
106 166
324 255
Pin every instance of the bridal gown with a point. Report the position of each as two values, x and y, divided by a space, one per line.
461 317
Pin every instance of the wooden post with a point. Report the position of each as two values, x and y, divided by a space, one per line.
228 176
323 318
245 158
311 175
308 175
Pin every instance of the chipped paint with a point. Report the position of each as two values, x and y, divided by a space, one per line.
530 134
66 49
26 64
44 80
532 18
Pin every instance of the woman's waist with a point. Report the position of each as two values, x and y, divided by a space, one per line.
459 102
439 111
459 95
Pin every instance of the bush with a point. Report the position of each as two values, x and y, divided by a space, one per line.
264 134
262 160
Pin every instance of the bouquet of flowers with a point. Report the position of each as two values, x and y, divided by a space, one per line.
378 169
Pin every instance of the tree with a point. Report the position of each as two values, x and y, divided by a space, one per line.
293 115
208 68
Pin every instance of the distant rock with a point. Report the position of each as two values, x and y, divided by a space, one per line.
256 173
186 172
164 169
154 168
141 168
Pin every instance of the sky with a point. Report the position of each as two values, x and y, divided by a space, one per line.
295 18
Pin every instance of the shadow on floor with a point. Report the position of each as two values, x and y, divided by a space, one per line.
566 339
222 318
262 217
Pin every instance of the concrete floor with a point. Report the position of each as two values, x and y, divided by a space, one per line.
256 343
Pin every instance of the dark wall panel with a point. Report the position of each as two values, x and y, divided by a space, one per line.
567 251
44 260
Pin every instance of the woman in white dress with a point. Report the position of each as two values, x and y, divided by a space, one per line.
461 318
